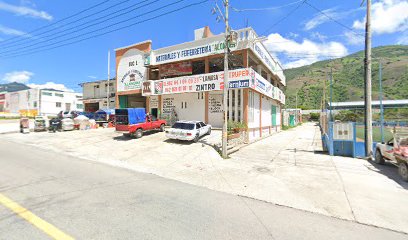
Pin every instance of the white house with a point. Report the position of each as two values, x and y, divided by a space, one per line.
42 102
95 95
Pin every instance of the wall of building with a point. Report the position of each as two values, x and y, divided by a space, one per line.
188 106
215 109
53 102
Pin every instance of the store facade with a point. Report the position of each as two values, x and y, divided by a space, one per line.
185 81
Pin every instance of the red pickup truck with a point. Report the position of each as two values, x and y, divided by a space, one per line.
130 122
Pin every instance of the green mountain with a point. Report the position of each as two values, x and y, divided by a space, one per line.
348 78
12 87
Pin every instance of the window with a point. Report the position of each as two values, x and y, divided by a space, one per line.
79 106
35 104
78 96
202 124
58 104
59 95
198 126
46 93
198 67
184 126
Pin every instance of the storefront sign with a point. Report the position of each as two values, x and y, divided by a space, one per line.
131 71
176 69
263 86
238 84
215 104
200 83
147 88
168 105
217 47
154 102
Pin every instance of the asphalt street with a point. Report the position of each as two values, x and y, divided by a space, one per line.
45 193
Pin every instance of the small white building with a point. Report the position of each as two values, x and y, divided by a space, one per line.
95 95
36 101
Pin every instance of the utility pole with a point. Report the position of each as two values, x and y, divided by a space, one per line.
367 90
225 91
381 103
107 90
331 94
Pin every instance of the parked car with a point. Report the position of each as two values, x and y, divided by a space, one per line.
68 114
188 130
396 151
134 122
67 124
40 123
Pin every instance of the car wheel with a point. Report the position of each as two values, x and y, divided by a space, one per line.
162 128
209 131
379 159
403 171
197 137
139 133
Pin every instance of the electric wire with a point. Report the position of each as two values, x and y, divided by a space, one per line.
76 29
52 24
107 32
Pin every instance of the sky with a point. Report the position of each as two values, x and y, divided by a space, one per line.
297 32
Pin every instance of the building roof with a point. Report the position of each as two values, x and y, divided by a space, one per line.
97 81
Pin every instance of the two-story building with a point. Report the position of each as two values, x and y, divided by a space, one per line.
37 101
96 94
185 81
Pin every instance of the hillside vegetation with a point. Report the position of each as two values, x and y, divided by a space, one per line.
348 78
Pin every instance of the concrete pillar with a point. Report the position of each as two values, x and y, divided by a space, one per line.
236 105
230 104
259 69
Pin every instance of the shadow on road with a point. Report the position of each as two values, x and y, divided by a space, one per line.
391 171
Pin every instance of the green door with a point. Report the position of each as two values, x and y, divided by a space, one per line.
273 115
123 101
292 120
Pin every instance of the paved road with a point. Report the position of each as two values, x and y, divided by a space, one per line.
88 200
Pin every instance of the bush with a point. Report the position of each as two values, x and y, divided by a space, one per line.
234 127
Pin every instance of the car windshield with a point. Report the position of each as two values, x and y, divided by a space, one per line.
66 112
184 126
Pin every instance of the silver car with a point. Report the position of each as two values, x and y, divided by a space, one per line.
188 130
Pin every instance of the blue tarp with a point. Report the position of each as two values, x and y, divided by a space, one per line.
134 115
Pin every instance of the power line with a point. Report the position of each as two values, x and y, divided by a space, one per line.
285 17
264 9
87 33
52 24
80 29
114 30
329 17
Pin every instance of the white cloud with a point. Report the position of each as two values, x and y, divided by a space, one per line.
319 36
319 18
10 31
300 62
93 77
387 16
18 76
326 16
52 85
353 38
403 39
305 52
25 11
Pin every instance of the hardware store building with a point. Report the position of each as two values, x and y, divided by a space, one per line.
185 81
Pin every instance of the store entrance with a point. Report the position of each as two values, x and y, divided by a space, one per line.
154 112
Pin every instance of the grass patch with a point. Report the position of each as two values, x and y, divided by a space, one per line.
376 133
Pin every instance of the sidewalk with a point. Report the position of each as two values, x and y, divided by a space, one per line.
286 169
12 125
